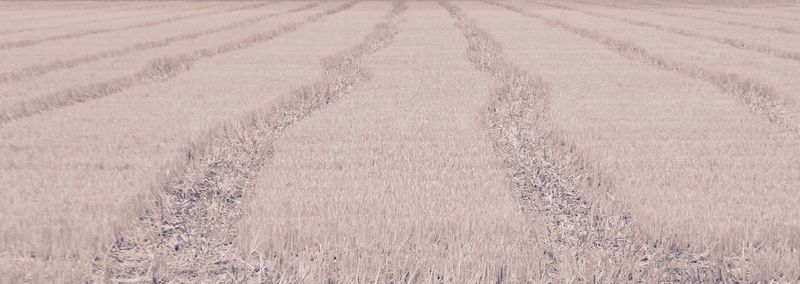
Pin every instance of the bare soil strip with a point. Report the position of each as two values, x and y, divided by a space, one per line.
24 43
41 69
156 70
758 97
190 234
552 181
764 49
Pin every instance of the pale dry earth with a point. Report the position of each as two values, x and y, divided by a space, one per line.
399 141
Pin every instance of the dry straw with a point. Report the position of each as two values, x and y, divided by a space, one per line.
61 64
758 97
154 71
30 42
588 236
201 203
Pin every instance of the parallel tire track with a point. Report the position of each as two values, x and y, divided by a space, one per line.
552 182
191 233
764 49
30 42
758 97
41 69
156 70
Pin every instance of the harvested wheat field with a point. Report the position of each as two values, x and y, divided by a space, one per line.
503 141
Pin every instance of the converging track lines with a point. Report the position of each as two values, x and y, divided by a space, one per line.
760 48
205 197
41 69
30 42
156 70
758 97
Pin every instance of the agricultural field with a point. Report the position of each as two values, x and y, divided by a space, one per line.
469 141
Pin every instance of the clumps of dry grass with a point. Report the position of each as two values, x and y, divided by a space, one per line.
755 15
764 49
41 69
156 70
587 236
30 42
784 30
190 234
758 97
62 25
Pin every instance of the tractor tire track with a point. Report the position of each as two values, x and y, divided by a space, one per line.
30 42
552 182
758 97
190 235
156 70
739 44
41 69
